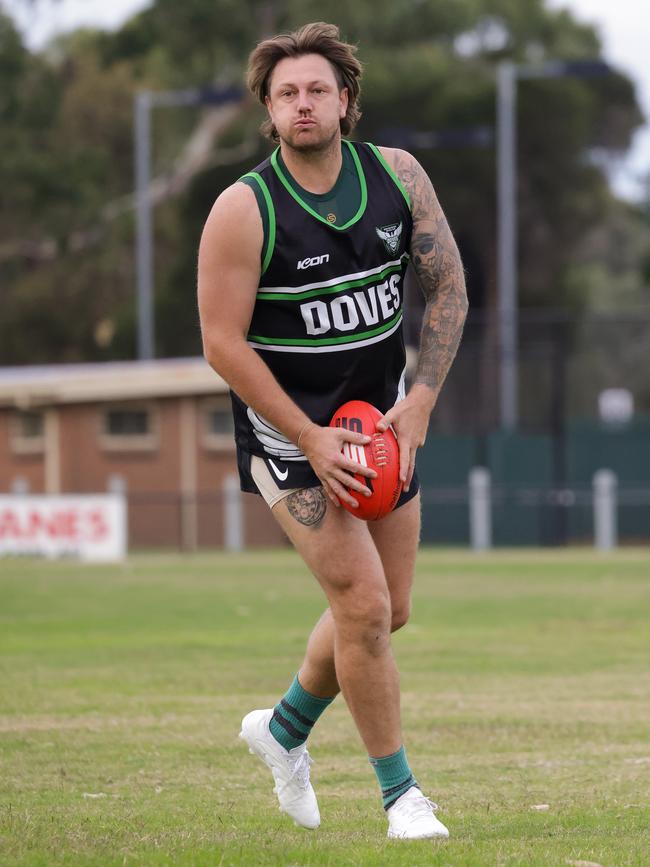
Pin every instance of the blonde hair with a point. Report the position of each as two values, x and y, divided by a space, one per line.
316 38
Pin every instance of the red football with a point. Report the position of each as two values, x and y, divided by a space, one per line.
381 454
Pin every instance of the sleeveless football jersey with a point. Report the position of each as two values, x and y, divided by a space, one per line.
328 314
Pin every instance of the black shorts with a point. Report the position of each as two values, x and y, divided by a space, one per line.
292 475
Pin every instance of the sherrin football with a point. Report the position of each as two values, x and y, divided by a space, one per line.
380 454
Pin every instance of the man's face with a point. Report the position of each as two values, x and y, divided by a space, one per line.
305 103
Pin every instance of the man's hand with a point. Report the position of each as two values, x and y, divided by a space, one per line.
323 448
410 420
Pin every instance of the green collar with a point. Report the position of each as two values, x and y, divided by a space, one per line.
301 201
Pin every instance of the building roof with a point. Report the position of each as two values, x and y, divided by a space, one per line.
45 385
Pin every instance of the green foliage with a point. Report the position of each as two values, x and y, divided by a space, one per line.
66 140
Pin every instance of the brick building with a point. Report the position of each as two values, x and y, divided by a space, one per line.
161 430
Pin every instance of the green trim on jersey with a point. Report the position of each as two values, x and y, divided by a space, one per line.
309 292
382 160
268 225
341 201
326 341
308 208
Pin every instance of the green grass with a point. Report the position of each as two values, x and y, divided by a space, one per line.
525 681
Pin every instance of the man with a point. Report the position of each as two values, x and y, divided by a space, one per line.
301 270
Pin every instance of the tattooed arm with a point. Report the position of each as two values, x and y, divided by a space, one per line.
435 258
436 261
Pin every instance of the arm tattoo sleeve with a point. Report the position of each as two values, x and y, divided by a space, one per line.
435 258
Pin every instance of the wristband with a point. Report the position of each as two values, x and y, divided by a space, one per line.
304 428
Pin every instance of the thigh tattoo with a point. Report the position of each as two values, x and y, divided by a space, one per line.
307 506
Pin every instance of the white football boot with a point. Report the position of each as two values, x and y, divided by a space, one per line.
412 817
290 768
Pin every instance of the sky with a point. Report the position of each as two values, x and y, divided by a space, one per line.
624 27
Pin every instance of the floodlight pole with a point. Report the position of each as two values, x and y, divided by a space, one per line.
507 75
507 244
144 101
143 245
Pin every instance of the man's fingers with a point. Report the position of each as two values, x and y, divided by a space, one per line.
409 477
404 460
385 421
343 483
359 470
348 463
350 436
331 495
349 481
343 494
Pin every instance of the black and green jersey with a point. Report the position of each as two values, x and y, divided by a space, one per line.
328 315
337 205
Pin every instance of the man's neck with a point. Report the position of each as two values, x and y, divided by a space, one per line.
315 171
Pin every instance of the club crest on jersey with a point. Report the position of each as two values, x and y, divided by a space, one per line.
390 235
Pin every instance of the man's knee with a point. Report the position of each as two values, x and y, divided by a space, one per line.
364 618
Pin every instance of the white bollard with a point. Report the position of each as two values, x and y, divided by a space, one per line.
20 486
605 486
480 509
233 515
116 484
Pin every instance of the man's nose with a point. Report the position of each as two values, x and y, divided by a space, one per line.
304 100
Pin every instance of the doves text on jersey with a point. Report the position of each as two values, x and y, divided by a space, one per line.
344 313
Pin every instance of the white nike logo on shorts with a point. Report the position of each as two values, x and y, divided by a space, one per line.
281 476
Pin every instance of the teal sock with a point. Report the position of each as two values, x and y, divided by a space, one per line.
394 776
295 714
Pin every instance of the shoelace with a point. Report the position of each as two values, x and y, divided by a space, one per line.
299 770
420 807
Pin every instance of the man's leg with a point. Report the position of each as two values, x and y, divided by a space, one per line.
342 555
396 538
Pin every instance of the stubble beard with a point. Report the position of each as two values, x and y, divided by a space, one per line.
310 148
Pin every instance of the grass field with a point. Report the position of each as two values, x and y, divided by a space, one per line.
525 681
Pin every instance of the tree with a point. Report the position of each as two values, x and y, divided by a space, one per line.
67 169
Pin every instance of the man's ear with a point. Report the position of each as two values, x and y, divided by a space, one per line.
343 99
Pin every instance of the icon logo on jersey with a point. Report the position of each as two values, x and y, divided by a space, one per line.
281 476
390 235
314 260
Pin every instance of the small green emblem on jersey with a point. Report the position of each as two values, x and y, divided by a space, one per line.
390 235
